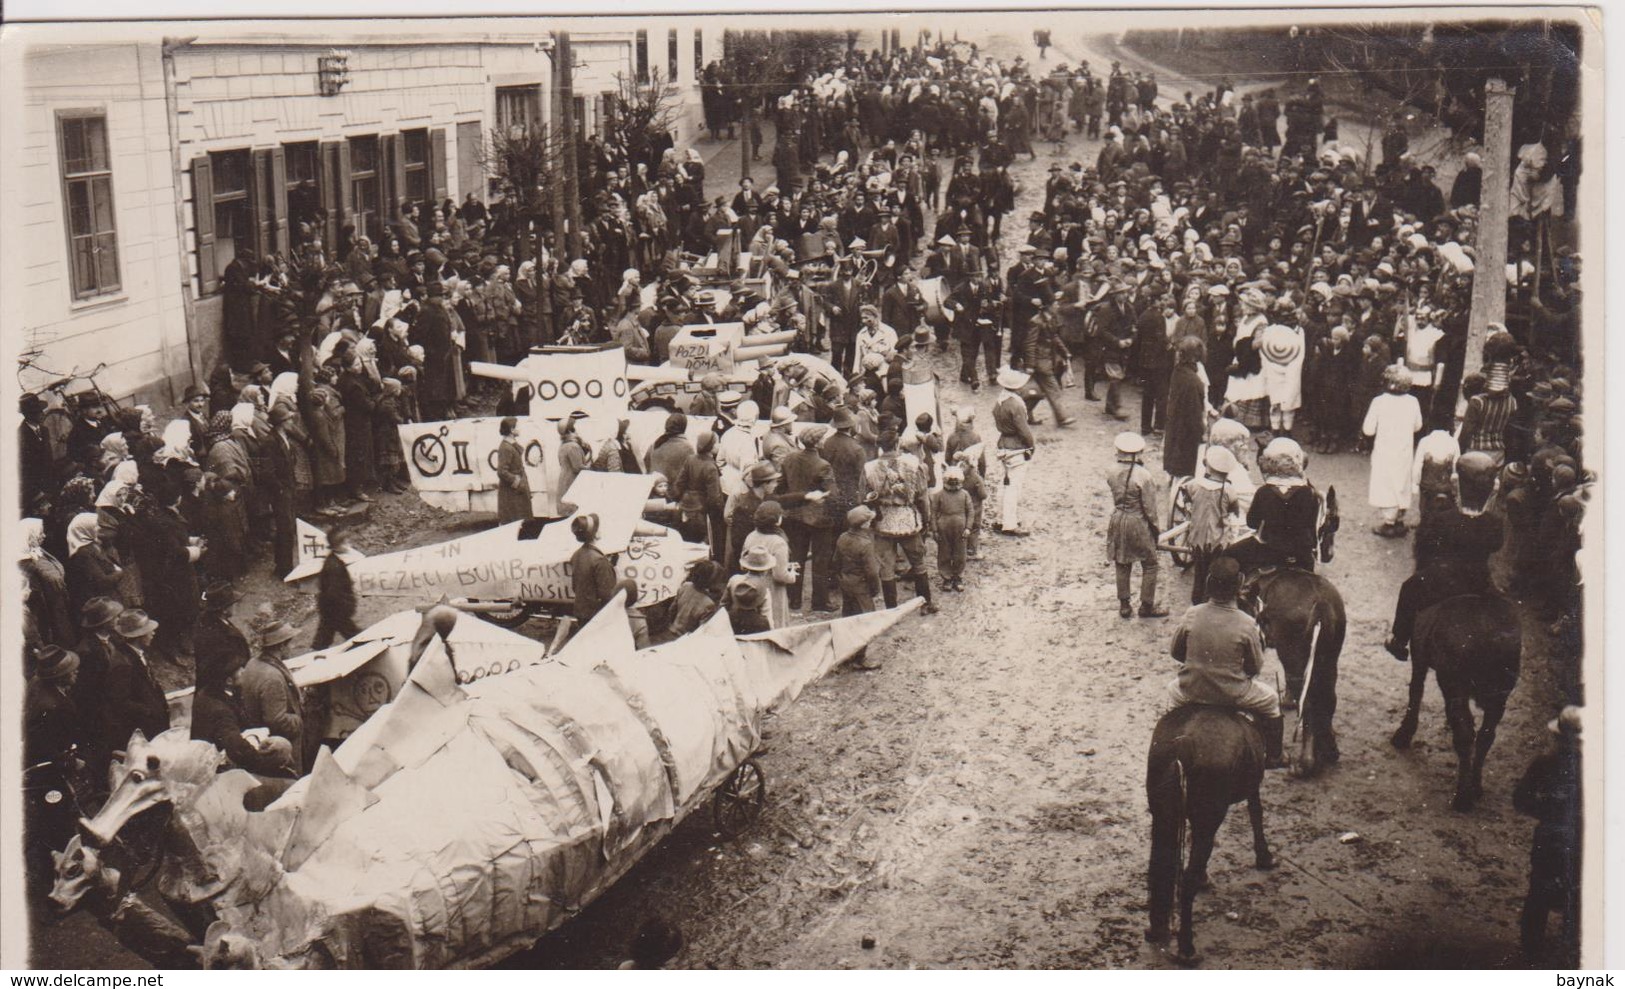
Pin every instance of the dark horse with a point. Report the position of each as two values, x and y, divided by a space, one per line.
1202 760
1301 614
1474 644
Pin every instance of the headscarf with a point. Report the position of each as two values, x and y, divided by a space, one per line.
115 443
242 416
252 394
177 442
128 471
112 495
220 425
284 386
33 539
82 531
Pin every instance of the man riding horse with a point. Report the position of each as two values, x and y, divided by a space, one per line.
1453 550
1221 653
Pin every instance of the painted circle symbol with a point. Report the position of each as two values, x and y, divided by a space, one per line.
620 387
595 388
547 391
570 388
429 455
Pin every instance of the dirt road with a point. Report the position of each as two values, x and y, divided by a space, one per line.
979 801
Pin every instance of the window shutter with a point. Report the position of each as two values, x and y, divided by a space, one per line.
391 176
264 223
208 278
279 199
346 207
332 182
437 163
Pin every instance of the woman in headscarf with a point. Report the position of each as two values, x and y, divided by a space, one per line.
78 495
114 514
91 573
386 422
325 419
48 586
114 451
177 444
251 424
225 527
284 392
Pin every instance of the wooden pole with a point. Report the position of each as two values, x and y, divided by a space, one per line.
1489 266
572 180
557 142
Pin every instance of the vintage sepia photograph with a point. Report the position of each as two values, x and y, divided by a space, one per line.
1008 489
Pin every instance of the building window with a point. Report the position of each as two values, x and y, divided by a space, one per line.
671 55
580 105
87 197
518 107
365 188
643 56
304 188
234 228
415 168
699 53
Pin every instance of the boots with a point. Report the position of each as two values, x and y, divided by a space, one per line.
922 588
1274 730
888 592
1124 608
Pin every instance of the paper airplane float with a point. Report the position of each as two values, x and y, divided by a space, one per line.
461 822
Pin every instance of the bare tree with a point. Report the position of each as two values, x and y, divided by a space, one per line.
641 117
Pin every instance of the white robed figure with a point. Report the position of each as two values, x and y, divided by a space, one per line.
1394 419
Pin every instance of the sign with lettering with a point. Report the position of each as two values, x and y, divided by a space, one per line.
705 348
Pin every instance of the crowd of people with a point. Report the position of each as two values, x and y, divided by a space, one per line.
1266 287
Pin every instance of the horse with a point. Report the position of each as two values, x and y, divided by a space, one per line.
1474 644
1301 614
1202 760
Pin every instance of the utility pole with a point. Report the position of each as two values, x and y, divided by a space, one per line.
558 142
1489 266
572 180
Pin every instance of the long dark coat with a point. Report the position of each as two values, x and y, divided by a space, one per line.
513 489
1186 423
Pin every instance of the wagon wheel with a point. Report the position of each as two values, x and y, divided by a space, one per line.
739 799
1179 510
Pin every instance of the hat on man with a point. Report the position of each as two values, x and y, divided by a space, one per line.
813 436
1037 215
1129 443
946 241
99 612
133 623
861 515
221 594
730 399
275 633
1219 461
782 416
1026 249
844 419
1011 379
435 288
757 559
195 391
53 663
30 404
762 472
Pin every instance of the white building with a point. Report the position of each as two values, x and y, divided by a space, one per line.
145 164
